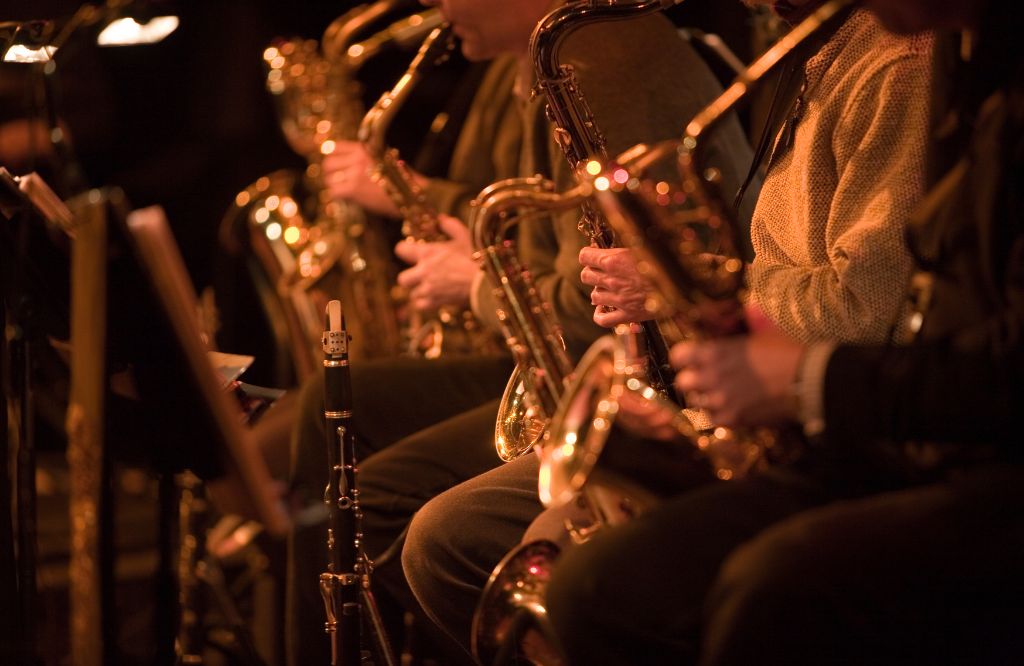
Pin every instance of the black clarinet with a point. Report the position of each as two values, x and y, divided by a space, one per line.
345 586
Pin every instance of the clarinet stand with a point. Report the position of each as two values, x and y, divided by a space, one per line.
351 609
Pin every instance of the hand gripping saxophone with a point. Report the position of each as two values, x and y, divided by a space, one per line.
345 586
450 331
687 244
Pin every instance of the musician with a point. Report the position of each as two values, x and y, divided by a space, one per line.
443 407
396 481
456 539
896 538
416 419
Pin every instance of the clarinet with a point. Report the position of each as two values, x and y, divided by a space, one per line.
345 586
339 585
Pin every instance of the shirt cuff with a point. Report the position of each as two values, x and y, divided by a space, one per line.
809 387
474 296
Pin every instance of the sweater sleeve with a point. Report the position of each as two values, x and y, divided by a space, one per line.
854 292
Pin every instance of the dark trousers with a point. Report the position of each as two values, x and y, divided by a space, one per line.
421 427
775 570
457 539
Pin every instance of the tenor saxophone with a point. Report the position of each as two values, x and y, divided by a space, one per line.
450 331
543 368
532 334
690 249
581 140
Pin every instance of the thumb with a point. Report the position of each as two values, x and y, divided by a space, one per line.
408 251
454 229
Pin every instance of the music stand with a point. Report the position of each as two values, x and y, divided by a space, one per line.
126 267
26 317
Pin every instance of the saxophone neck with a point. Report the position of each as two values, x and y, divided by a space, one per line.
561 22
401 34
435 49
343 30
502 205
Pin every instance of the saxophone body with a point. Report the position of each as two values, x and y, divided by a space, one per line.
451 331
530 329
578 135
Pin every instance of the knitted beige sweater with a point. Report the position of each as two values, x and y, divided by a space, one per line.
831 263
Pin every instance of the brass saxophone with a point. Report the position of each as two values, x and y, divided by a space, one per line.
689 247
579 137
309 248
451 331
532 334
535 387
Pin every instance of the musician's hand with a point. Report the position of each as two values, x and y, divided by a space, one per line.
644 418
347 176
620 292
442 273
742 380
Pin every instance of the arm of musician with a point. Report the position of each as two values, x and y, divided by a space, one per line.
347 176
851 287
620 293
645 419
441 274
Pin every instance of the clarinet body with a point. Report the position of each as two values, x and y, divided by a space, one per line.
340 584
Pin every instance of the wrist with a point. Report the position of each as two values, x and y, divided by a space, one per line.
808 387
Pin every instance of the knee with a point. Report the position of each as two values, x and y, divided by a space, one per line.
761 569
573 592
765 602
431 547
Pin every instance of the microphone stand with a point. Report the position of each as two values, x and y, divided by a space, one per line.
345 586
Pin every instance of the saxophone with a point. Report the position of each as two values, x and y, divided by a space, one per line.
577 134
531 332
688 244
543 368
309 248
451 331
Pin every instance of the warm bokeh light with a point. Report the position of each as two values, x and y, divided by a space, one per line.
127 31
24 54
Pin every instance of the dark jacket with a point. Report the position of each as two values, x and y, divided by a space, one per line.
962 380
